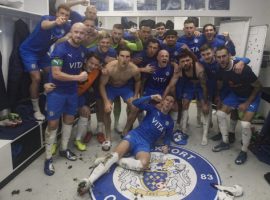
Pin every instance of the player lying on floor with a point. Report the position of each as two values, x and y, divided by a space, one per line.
157 123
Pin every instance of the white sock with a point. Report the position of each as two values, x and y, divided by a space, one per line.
35 103
131 163
223 127
233 124
174 116
246 135
81 127
206 122
50 137
100 127
184 120
66 133
103 167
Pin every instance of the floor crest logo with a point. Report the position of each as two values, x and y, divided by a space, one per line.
181 174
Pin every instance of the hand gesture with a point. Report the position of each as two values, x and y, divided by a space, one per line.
238 67
60 21
243 107
83 76
107 107
156 97
149 69
48 87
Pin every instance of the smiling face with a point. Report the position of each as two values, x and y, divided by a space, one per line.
92 63
208 55
171 40
209 32
161 30
104 44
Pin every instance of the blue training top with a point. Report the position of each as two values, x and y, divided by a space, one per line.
155 124
40 40
71 60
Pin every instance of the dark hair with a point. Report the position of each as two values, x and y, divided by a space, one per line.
170 32
123 48
222 48
118 26
189 21
205 47
171 94
148 23
204 27
186 53
93 54
153 40
159 24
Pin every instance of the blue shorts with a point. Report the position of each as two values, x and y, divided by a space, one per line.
179 88
59 103
192 90
232 100
137 143
32 62
149 91
125 92
84 99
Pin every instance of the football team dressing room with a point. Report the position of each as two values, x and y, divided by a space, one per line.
134 100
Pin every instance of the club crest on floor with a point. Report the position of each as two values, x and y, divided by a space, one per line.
181 174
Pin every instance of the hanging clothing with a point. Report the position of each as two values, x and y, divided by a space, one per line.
3 92
18 80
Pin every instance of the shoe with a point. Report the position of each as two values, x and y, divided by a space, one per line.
83 186
216 137
48 167
80 146
235 190
68 155
241 158
106 145
39 116
231 137
221 147
87 137
54 149
222 195
101 137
